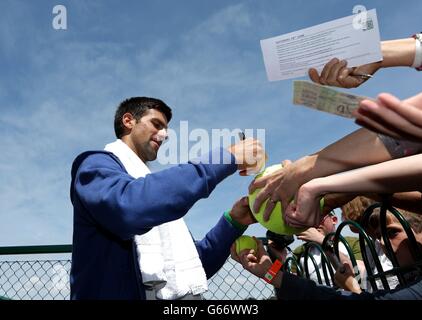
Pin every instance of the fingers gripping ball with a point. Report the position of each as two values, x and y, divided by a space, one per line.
245 243
276 222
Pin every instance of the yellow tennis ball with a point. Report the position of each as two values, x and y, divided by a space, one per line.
245 242
276 222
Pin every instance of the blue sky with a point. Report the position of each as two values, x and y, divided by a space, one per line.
59 90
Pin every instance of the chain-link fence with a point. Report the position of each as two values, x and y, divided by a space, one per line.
35 280
29 277
36 273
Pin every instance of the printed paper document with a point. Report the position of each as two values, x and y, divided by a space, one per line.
354 38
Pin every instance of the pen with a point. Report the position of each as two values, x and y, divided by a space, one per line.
363 75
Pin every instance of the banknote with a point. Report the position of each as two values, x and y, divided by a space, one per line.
325 98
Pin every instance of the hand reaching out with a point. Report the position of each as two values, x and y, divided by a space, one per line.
390 116
256 263
278 186
336 73
305 211
311 235
346 279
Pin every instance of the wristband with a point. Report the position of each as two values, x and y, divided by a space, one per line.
237 225
417 62
271 273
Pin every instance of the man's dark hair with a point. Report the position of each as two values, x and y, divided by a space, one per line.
137 106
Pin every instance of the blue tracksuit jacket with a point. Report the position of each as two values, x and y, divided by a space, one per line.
110 207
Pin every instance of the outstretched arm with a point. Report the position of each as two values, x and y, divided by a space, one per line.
395 53
355 150
411 201
399 175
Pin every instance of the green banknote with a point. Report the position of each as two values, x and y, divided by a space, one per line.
325 98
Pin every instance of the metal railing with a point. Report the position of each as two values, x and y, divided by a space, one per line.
378 279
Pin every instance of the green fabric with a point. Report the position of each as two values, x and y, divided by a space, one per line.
237 225
354 245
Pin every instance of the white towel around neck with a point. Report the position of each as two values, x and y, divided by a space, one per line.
167 256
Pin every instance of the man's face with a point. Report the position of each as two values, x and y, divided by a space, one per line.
327 224
399 242
148 133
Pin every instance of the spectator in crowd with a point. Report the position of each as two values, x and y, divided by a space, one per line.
317 235
400 245
353 211
292 287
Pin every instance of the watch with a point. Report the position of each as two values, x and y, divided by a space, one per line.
417 63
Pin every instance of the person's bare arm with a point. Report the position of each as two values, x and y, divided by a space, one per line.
358 149
345 279
396 53
399 175
411 201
